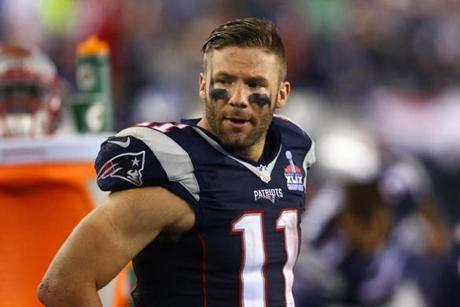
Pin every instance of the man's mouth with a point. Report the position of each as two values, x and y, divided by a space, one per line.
237 122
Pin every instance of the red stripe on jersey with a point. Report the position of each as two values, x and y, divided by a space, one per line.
203 270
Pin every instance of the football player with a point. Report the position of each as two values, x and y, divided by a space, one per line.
208 209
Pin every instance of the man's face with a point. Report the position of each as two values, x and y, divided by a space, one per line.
241 88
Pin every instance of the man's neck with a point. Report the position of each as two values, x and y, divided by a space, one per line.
253 152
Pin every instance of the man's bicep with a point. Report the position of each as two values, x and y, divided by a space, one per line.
137 216
112 234
133 218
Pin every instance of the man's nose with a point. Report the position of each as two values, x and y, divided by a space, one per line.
239 96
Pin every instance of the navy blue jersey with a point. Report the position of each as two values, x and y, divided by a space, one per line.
245 241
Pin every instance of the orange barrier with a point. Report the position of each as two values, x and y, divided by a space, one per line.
40 203
39 206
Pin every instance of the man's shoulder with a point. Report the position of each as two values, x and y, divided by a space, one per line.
153 136
144 154
152 129
159 136
290 131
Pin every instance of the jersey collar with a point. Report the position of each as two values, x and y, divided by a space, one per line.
262 168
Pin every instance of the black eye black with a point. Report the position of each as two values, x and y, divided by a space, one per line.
260 99
219 94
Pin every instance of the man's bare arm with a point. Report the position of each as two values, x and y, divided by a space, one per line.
106 240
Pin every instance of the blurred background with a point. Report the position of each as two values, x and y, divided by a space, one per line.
376 83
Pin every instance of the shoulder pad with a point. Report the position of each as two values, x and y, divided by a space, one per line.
297 136
143 156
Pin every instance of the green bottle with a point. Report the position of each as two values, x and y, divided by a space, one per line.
92 107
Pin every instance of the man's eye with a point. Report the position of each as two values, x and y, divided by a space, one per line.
254 84
223 81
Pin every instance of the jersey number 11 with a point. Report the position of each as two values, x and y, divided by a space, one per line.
252 277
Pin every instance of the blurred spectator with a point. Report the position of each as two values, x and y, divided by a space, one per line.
372 228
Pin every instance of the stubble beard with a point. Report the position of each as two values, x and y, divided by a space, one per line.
233 140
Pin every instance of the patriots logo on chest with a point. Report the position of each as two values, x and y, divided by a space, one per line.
126 166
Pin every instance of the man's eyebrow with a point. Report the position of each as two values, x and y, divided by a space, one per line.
257 80
225 75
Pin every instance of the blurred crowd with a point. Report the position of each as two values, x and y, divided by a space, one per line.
376 83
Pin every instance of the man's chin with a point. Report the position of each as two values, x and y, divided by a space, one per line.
234 141
237 139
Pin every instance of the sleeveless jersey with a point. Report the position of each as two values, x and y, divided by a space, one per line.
245 241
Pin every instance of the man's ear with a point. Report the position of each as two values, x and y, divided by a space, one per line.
283 94
202 86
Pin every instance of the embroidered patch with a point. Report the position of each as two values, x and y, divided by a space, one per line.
269 194
293 174
264 173
127 166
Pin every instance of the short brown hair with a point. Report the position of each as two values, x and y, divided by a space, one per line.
250 33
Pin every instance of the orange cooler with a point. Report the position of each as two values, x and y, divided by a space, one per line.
44 193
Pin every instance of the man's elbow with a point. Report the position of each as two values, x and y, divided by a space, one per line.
51 293
44 292
67 291
47 293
